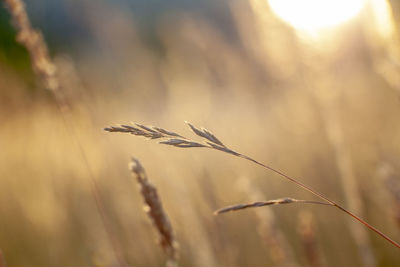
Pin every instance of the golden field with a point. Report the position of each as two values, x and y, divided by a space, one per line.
323 108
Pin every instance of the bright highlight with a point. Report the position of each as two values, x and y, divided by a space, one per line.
314 15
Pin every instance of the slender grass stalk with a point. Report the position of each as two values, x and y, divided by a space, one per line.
326 99
45 69
212 142
337 140
156 213
279 201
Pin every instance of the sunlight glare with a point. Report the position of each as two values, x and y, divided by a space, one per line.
314 15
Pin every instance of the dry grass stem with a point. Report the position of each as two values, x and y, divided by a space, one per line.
214 143
34 43
285 200
45 69
156 213
336 138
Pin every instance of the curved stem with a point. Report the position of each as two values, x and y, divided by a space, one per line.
368 225
316 193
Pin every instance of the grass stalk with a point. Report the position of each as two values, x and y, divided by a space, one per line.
279 201
336 138
156 213
212 142
46 71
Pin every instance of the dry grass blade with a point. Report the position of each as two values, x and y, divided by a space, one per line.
156 212
214 143
285 200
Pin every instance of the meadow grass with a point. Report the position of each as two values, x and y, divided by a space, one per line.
212 142
51 213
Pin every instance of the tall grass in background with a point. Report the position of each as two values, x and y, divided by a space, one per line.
268 80
45 69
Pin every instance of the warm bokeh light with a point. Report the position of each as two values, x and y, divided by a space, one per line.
307 93
382 18
314 15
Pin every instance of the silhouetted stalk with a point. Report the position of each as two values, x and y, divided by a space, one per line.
212 142
156 213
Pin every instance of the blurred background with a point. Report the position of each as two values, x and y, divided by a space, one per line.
308 87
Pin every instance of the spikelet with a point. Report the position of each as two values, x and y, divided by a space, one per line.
174 139
156 212
34 43
212 142
285 200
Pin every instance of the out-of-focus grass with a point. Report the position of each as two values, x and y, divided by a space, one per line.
262 96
